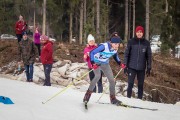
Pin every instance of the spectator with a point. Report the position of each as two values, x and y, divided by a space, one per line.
47 58
20 27
27 54
37 40
91 45
137 59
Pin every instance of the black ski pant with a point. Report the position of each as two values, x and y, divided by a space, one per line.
140 77
19 37
47 71
39 48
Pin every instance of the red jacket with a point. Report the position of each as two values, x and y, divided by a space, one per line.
20 27
47 53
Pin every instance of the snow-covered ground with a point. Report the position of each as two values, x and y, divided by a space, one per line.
28 98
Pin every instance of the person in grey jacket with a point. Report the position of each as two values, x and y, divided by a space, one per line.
137 59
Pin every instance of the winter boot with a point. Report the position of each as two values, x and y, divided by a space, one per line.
87 96
114 100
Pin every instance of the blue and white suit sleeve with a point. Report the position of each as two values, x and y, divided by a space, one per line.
117 59
96 50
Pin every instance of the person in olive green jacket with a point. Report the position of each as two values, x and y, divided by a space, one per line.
28 53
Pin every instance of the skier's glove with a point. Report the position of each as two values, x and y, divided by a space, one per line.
148 72
95 66
123 66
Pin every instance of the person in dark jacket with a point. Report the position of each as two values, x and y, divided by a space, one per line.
27 54
20 27
137 59
47 58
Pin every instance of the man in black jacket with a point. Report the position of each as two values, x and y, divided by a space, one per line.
137 59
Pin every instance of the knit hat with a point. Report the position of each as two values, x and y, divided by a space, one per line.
138 28
115 40
24 33
90 37
44 37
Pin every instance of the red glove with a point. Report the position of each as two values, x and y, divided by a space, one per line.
123 66
95 66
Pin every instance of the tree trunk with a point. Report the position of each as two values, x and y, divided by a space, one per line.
44 18
76 24
34 26
147 20
93 11
97 19
134 16
81 22
84 21
126 21
166 6
70 27
107 21
129 22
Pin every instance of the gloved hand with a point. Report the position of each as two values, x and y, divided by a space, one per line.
148 72
123 66
95 66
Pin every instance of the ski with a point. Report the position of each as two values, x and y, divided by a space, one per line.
131 106
85 105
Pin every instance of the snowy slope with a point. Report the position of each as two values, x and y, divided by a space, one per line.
28 98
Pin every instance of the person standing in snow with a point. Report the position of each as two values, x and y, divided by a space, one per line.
137 58
20 27
47 58
27 54
99 58
91 45
37 36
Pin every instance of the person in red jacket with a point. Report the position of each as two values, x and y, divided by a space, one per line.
47 58
20 27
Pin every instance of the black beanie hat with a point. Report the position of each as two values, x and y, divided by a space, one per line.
115 40
24 33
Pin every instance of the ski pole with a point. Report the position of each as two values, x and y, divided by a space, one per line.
107 86
76 79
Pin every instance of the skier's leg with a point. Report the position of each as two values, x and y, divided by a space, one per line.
109 74
131 77
97 75
140 78
92 85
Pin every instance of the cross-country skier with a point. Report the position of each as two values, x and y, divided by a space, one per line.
100 61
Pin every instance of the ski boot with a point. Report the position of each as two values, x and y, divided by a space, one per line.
114 100
87 96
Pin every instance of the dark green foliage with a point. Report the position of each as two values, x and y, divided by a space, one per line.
58 17
170 35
